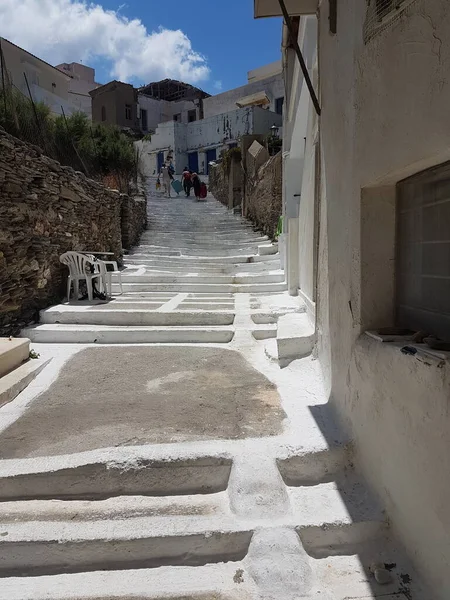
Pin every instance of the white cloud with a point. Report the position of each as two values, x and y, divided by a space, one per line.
217 85
73 30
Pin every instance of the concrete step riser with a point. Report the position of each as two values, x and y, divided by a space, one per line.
50 557
211 279
61 334
136 317
200 271
13 352
137 257
99 480
200 288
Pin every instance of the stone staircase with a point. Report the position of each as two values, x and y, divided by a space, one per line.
254 511
180 283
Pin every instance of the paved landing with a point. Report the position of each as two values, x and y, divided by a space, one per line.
119 396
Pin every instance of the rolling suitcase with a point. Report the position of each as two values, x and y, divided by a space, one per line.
177 186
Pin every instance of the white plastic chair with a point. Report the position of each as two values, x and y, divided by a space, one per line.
83 267
109 275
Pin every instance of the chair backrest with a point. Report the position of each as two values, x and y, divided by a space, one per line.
78 264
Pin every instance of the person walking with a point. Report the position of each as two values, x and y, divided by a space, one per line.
187 183
196 184
166 178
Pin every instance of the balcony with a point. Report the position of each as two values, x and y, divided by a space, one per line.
295 8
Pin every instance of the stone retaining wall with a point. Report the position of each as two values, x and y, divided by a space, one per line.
263 191
262 197
45 210
218 183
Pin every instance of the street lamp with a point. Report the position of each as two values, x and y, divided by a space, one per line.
274 130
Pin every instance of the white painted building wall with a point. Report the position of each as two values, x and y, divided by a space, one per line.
216 132
299 143
384 114
226 102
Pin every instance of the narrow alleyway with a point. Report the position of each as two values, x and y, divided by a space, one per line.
164 453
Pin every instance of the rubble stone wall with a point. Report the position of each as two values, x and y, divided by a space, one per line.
263 196
47 209
218 183
263 189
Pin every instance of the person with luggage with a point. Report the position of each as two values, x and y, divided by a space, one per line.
166 178
187 182
196 184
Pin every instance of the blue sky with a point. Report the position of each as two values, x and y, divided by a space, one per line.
225 32
209 43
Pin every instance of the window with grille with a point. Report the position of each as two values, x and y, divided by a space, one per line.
192 116
423 252
128 112
381 14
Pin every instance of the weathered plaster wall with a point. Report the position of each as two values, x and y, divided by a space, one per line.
161 111
45 210
226 102
300 137
385 106
212 131
158 111
264 119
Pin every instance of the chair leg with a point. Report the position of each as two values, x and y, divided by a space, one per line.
107 282
89 289
76 288
120 282
69 286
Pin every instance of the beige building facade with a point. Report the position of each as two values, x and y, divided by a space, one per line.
82 81
45 83
366 244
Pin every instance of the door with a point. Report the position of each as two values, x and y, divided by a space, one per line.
210 156
193 162
160 160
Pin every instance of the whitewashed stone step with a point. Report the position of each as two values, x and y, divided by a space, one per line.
102 334
209 581
47 548
17 380
265 249
109 315
137 255
158 471
202 287
244 278
295 337
13 352
264 331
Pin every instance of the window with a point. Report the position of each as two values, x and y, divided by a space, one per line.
381 14
128 112
103 113
279 105
423 252
192 116
144 121
177 118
